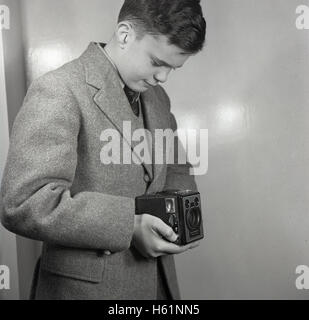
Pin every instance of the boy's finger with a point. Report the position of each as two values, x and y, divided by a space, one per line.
165 230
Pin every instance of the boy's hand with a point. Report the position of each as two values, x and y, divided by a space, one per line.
153 238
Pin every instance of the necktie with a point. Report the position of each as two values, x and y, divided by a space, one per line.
133 98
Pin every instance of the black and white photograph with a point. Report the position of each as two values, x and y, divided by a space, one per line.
154 150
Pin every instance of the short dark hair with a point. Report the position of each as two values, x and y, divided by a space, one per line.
181 21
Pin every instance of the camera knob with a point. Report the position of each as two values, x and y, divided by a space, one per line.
172 220
196 201
187 203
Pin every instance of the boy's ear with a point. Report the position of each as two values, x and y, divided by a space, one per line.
125 34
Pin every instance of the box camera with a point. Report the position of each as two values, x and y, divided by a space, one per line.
179 209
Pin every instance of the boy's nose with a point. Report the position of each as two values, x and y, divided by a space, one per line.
162 75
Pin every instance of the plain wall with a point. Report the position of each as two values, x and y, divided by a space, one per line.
8 251
249 88
14 57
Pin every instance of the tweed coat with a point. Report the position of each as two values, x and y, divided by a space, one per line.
56 190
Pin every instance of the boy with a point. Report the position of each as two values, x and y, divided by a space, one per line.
58 187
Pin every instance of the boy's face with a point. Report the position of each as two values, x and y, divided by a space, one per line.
148 61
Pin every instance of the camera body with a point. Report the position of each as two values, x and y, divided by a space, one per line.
180 209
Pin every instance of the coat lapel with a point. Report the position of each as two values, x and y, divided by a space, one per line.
156 117
110 98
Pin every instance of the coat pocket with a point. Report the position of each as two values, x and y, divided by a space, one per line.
87 265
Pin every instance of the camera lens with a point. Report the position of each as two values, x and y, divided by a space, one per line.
193 218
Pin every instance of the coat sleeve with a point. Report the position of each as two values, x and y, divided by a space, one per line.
36 201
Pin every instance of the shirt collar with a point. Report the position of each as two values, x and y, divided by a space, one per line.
112 62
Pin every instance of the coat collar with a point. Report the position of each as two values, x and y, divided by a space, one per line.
111 99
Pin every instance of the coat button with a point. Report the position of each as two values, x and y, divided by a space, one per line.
146 178
100 253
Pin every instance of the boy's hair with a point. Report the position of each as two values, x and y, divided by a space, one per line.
181 21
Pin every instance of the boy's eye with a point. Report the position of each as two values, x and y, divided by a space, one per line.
155 64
